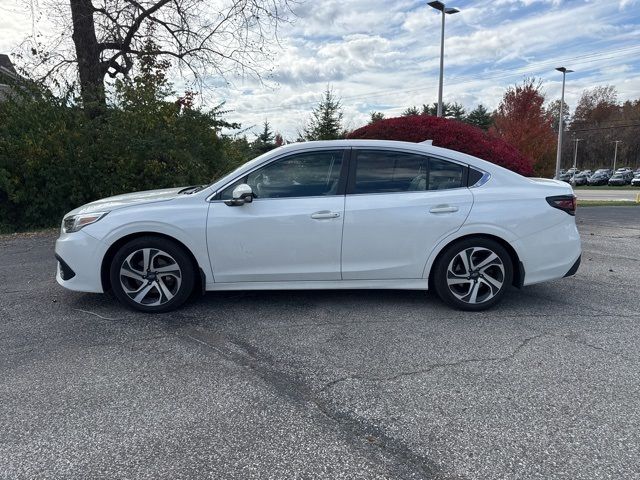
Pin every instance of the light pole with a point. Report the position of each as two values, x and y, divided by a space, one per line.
445 11
560 125
615 155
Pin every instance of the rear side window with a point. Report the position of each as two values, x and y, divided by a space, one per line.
444 175
380 171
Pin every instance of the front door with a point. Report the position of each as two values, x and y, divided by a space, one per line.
293 228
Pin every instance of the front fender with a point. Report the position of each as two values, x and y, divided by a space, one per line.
187 225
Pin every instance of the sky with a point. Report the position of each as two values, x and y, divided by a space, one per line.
383 56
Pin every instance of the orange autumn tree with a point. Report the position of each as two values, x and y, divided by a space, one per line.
522 121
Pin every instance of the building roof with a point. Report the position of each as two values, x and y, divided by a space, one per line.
5 63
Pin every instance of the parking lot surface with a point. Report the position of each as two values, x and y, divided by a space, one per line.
326 384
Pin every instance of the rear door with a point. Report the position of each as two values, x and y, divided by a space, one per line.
398 206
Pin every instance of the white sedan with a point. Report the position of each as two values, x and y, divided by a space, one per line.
328 215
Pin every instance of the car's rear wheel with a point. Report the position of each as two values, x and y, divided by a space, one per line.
152 274
473 274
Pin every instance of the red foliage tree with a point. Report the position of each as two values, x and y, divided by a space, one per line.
522 121
448 134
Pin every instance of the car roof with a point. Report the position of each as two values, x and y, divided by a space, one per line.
423 147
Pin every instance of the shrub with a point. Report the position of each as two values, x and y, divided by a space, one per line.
53 157
448 134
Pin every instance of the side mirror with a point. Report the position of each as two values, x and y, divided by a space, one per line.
241 194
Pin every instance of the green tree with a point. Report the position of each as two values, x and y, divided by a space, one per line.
54 158
376 117
432 109
410 111
456 111
326 119
480 117
265 141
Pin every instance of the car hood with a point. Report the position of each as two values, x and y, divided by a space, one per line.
126 200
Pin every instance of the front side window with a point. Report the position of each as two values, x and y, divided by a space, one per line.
380 171
308 174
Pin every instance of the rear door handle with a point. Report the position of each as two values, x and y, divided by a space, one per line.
324 214
444 209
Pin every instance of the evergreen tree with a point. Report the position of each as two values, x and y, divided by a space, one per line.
480 117
413 110
455 111
376 116
326 119
264 141
432 109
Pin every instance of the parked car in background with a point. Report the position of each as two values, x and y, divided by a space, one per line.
635 181
599 178
579 179
604 171
565 177
618 180
338 214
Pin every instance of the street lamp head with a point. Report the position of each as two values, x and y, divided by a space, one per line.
440 6
564 70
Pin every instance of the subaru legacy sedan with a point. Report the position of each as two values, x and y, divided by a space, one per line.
328 215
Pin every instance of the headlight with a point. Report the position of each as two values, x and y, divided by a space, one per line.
73 223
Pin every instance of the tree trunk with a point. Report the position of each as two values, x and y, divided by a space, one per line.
88 55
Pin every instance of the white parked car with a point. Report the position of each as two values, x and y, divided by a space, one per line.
328 215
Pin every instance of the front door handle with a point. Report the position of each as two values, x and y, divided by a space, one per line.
444 209
324 214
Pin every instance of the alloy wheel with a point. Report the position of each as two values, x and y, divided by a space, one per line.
150 276
475 275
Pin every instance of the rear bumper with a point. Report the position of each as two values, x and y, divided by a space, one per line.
550 254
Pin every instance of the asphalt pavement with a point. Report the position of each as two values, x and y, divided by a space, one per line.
326 384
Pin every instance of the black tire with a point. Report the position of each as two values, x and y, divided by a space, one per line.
168 283
487 294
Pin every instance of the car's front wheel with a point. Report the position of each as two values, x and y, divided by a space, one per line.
152 274
473 274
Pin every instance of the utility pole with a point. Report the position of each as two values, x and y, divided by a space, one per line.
575 152
615 155
575 156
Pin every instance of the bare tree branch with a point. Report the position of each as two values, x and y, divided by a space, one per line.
205 38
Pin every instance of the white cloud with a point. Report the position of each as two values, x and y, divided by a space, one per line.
384 55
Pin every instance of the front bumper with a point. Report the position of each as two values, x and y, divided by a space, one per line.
574 268
79 258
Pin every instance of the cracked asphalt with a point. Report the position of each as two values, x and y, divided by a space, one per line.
335 384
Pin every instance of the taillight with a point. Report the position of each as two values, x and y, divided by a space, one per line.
566 203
